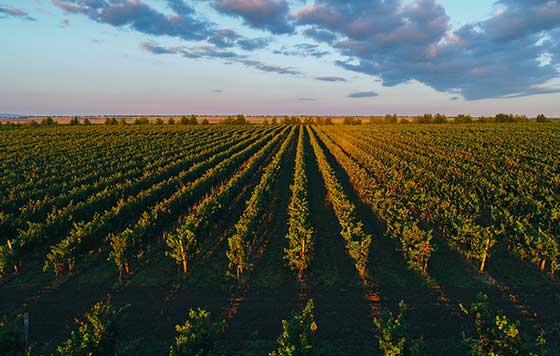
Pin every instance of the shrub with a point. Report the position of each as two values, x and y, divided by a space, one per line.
297 334
197 336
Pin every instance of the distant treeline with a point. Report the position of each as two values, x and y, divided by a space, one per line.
299 120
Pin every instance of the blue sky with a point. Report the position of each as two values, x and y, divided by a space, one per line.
326 57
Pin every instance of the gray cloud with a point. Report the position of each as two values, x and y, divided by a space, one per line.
320 35
184 23
413 41
194 52
213 52
363 94
14 12
331 79
269 15
397 41
302 50
269 68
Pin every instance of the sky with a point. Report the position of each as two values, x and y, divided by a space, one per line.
280 57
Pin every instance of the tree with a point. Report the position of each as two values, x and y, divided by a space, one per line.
297 334
496 335
425 119
265 122
111 121
159 121
192 120
87 122
48 121
204 122
542 119
328 121
463 119
141 121
440 119
171 121
391 119
74 121
393 339
197 336
274 121
122 121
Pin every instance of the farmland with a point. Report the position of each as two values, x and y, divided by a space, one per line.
328 227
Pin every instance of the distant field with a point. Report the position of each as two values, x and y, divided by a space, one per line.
250 222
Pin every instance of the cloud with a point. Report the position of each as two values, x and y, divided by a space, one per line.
406 41
269 68
183 23
331 79
363 94
268 15
14 12
302 50
213 52
141 17
253 44
307 99
194 52
320 35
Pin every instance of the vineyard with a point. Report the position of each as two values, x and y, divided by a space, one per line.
280 239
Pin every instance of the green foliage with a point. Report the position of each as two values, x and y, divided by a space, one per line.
440 119
87 122
122 121
121 249
495 335
297 334
111 121
300 233
473 241
96 335
74 121
238 120
171 121
463 119
510 118
351 228
141 121
243 240
48 121
393 339
391 119
197 336
182 246
542 119
191 120
416 246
